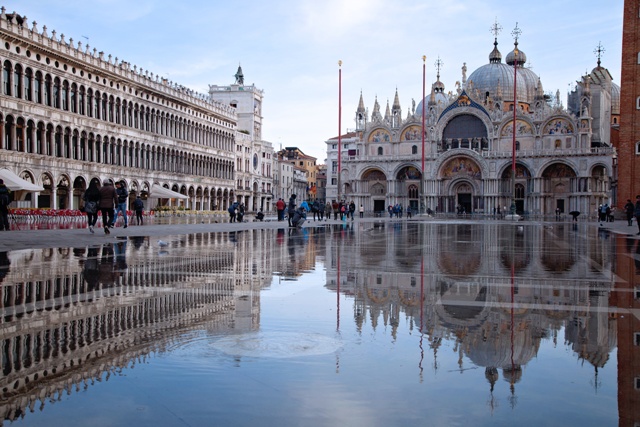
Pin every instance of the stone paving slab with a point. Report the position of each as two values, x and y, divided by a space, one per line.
81 237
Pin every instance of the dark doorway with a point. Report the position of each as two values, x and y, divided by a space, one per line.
464 202
378 206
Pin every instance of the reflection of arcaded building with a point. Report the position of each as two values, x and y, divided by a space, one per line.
564 157
480 287
71 315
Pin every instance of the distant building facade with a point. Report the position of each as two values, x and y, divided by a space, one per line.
564 158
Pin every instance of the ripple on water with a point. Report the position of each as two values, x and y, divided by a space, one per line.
277 344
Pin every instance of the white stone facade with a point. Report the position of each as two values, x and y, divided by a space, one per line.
70 115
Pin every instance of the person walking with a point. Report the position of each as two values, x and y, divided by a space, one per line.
352 209
280 205
335 206
138 206
233 211
5 200
291 209
637 213
91 199
629 209
108 200
361 211
328 208
122 193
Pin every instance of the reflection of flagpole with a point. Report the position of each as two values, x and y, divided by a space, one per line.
424 73
339 127
421 307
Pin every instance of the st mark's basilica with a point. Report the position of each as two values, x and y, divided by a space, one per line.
564 156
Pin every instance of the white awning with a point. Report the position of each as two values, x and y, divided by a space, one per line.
15 183
160 192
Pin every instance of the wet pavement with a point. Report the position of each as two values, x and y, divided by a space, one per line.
373 322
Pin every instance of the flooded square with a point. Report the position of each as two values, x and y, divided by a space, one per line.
372 323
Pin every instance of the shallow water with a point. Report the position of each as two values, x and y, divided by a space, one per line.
372 324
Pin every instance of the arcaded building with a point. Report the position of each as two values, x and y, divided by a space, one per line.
70 114
563 156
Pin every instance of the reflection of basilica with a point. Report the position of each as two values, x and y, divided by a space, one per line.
564 155
470 297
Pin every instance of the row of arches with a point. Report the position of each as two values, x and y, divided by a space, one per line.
27 136
65 191
60 93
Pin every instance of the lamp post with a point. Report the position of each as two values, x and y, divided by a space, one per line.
424 73
516 33
339 127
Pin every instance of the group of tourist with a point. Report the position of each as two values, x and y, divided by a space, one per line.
111 202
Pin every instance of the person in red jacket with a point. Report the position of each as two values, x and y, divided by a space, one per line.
280 205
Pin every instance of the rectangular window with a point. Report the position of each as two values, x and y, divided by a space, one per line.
636 292
636 338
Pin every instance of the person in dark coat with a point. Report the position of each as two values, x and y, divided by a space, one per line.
629 208
5 199
291 208
108 201
91 199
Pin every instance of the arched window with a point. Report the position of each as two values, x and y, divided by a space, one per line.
37 88
73 98
28 79
6 78
65 95
380 151
637 147
519 191
517 145
414 149
17 81
96 105
56 93
47 90
89 102
638 103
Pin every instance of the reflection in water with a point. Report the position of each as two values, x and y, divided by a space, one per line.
491 293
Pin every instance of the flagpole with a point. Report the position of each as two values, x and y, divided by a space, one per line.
516 33
424 105
339 128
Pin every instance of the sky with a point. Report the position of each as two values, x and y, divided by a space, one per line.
290 48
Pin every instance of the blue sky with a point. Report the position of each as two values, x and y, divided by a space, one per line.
291 48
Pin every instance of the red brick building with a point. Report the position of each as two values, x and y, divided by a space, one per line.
629 143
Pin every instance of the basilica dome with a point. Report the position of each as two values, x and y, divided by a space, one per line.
615 99
496 78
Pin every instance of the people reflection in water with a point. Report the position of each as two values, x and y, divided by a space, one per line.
138 241
120 250
4 265
636 259
90 270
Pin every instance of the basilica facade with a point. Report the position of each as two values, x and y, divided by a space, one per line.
563 156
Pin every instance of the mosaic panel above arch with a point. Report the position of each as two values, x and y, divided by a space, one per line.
521 172
374 175
412 133
408 172
522 128
558 170
379 135
558 127
460 166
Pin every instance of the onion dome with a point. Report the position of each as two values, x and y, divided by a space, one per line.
615 98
